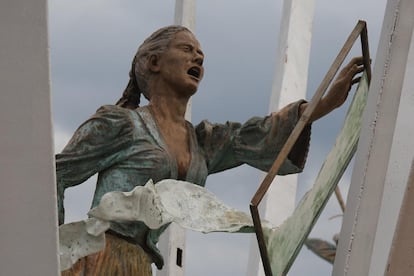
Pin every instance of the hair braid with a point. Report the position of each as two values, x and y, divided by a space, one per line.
132 94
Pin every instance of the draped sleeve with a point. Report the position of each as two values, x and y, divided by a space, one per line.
256 142
97 144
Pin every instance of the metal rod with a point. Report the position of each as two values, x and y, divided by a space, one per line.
261 240
365 51
340 198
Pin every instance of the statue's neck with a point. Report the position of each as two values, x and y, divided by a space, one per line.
169 109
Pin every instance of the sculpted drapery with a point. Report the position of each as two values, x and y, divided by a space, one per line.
126 149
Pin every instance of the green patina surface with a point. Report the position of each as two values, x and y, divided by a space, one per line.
285 243
126 148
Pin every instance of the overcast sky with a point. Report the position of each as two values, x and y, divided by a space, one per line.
92 43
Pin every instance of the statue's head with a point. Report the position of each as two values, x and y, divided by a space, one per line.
155 44
140 74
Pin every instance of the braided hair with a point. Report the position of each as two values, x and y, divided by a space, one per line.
139 75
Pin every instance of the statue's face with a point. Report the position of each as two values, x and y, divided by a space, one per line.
181 65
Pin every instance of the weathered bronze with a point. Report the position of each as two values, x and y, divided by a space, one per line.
323 249
128 145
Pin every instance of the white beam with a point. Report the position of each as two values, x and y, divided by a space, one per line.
384 152
401 257
172 241
290 84
185 11
172 247
398 170
28 234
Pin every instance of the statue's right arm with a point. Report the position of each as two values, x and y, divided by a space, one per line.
257 142
97 144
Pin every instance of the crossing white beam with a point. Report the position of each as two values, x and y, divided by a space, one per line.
398 171
384 152
172 241
289 85
185 14
185 11
401 258
28 233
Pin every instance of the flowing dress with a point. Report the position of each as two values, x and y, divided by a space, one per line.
126 149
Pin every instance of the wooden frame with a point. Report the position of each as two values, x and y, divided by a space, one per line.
360 30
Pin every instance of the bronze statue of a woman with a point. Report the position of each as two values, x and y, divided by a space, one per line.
127 144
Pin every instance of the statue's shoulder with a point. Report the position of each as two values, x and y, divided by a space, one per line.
112 109
114 112
114 116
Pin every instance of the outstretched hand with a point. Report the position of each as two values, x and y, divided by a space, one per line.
339 90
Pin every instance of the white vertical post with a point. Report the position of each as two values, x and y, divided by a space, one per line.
398 170
384 152
400 261
172 241
28 232
185 12
290 83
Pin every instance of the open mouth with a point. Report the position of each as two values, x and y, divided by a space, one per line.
195 72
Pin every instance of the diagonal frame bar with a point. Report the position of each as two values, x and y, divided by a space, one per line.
360 30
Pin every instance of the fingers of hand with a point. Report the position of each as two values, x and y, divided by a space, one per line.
355 66
354 61
355 69
357 60
355 80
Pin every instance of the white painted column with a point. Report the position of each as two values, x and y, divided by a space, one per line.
384 153
400 261
290 84
28 232
398 170
172 241
185 13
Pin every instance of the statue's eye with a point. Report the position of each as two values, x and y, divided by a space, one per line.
187 48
